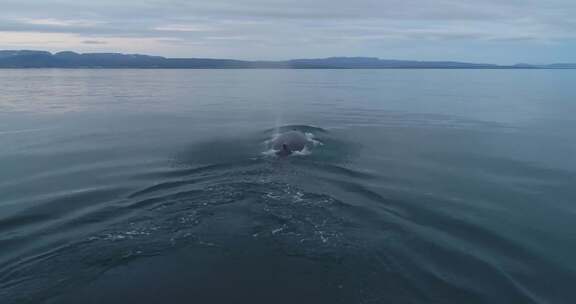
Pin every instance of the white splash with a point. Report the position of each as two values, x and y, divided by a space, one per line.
312 142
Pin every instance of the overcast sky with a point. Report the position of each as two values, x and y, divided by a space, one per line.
495 31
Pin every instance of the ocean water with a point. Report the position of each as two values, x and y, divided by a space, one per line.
153 186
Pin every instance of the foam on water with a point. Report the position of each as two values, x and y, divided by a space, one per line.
312 142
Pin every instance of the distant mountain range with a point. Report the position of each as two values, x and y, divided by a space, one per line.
43 59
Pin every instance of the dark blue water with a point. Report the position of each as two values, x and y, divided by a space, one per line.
151 186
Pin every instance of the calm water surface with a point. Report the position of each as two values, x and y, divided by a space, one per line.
150 186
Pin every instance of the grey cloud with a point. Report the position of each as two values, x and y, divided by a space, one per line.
287 23
94 42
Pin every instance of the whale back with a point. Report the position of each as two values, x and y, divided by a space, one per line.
290 142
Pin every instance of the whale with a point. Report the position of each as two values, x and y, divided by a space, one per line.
287 143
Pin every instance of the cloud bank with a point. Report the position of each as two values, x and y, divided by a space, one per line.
488 30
